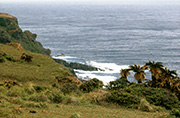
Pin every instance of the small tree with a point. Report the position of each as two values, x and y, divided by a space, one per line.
139 72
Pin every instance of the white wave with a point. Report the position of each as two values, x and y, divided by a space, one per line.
107 67
63 57
88 75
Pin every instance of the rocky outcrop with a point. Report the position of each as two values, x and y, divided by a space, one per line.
11 32
79 66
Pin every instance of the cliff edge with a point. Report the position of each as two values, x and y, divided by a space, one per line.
11 32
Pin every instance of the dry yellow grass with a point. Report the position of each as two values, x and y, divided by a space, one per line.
6 15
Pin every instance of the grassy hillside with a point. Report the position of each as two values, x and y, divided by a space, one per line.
77 111
43 69
36 92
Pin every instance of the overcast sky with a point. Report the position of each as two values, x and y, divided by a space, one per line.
110 2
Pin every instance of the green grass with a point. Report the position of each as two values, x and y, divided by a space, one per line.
84 111
17 102
42 70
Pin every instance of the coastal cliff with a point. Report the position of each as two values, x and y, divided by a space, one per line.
11 32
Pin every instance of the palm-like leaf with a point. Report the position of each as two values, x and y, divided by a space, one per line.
139 72
168 78
125 72
156 71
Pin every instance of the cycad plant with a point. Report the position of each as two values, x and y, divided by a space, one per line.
156 71
124 73
167 78
139 72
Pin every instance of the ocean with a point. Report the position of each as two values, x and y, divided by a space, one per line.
108 37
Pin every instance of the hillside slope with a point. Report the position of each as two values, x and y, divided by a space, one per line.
43 69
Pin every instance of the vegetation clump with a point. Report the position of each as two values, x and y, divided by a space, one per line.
117 84
124 99
2 60
10 83
4 56
91 85
68 88
26 57
175 113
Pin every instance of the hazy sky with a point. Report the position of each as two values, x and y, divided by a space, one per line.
110 2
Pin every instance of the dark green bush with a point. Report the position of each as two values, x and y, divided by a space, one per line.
117 84
91 85
156 96
123 98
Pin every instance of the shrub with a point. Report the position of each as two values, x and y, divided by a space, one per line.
156 96
175 113
123 98
91 85
26 57
117 84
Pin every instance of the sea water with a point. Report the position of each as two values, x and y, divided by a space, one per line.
107 37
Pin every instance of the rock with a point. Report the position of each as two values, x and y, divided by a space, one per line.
76 65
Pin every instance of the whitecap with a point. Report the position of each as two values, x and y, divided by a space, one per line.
107 67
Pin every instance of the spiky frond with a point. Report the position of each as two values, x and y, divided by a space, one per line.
125 72
139 72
